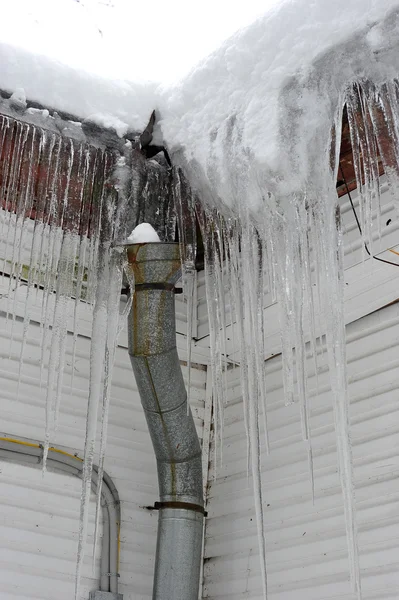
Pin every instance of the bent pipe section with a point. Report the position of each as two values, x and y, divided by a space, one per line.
156 366
23 452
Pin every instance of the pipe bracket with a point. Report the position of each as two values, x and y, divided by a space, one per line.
181 505
97 595
162 286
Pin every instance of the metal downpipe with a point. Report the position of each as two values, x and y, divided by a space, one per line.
156 366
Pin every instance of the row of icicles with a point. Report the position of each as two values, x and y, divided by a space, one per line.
61 224
295 257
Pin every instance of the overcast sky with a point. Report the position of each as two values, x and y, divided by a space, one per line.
158 40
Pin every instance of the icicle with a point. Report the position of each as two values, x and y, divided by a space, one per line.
185 209
309 295
212 275
96 391
298 308
256 474
112 331
333 300
284 295
20 205
60 269
190 286
365 162
12 199
50 237
111 261
4 165
252 269
78 297
82 212
95 227
27 184
221 294
105 327
64 291
114 327
383 106
237 301
258 255
35 275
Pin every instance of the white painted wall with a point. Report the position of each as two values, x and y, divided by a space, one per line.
306 544
40 516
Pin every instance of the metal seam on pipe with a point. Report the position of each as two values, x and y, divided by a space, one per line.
182 460
13 449
171 409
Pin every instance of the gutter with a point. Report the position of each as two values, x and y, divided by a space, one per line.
153 354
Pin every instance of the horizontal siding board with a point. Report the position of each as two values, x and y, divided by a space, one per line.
306 543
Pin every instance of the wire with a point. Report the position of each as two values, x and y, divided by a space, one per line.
33 445
388 262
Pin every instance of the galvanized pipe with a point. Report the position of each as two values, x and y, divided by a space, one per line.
153 353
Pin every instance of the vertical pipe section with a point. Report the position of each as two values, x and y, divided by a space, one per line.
156 366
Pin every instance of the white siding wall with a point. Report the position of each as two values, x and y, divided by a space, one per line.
40 516
38 534
306 544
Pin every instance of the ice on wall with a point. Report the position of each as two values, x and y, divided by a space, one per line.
256 129
66 210
68 251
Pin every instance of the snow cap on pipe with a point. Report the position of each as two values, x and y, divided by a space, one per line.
142 234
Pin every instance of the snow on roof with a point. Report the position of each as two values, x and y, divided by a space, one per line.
262 97
116 104
257 101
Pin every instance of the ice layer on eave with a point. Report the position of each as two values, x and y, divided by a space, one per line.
261 99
